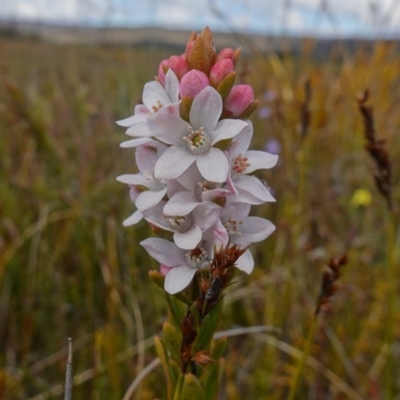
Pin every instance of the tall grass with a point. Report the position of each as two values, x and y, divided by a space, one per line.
69 269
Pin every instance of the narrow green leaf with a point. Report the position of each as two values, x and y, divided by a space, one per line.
207 329
212 375
172 340
192 389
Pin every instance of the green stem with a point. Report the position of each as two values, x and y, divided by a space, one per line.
178 390
303 359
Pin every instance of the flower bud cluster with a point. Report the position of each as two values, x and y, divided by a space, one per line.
195 185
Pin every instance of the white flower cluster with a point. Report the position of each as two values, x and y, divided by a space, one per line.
194 182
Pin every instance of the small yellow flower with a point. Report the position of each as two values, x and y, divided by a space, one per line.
361 198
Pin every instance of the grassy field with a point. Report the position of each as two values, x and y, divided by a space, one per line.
69 269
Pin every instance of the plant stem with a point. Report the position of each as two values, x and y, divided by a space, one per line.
303 359
179 386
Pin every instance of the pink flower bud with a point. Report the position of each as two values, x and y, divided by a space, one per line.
178 65
161 73
226 53
220 70
240 97
192 83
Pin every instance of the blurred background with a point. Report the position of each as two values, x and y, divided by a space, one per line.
68 268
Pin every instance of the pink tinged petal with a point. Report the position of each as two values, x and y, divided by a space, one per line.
133 219
206 215
254 187
245 262
172 86
173 162
231 185
181 203
227 129
227 53
140 129
206 109
219 70
167 126
213 165
164 251
178 65
189 239
210 195
135 142
178 279
255 229
164 269
154 95
141 113
240 97
221 237
259 160
192 83
149 199
161 74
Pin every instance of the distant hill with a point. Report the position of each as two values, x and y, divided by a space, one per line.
175 39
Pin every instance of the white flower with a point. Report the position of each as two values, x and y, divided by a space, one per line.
187 227
179 265
248 188
244 230
155 98
193 142
146 191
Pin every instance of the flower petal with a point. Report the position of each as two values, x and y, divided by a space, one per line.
164 251
206 214
245 262
141 113
254 229
242 141
259 160
172 86
149 199
178 279
154 94
206 109
181 203
173 162
213 165
251 190
140 129
226 129
133 179
135 142
167 126
133 219
189 239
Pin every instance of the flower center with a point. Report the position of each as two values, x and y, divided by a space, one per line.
196 257
198 141
232 226
205 186
240 164
157 107
179 223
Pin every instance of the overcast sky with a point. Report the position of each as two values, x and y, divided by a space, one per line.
367 18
